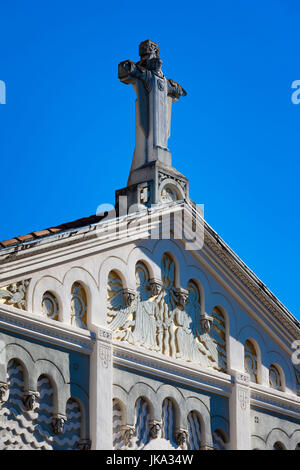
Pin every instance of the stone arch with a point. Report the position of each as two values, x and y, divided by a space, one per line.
250 333
118 415
195 430
75 421
139 390
287 375
280 372
195 404
257 443
143 255
19 353
169 246
61 390
80 275
222 424
219 300
172 259
277 435
252 357
200 291
113 263
78 394
168 391
169 419
142 417
122 397
42 285
295 440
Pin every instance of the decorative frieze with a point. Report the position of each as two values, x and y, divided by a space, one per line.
15 294
166 319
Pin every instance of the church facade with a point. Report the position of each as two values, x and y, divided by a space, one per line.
140 328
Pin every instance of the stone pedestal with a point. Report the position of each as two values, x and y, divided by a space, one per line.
101 391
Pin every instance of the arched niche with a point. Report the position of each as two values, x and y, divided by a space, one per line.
79 306
50 306
194 440
251 363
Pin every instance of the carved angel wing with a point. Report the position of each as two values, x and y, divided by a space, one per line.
119 319
116 302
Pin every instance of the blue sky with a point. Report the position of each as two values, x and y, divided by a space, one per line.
67 129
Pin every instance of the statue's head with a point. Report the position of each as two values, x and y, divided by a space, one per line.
148 49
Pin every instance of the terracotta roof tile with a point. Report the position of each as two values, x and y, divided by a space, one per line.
93 219
12 241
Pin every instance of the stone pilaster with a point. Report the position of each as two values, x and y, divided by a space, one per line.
101 391
239 408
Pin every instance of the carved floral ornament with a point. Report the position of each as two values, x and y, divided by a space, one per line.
166 319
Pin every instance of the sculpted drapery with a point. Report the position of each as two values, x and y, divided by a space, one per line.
159 323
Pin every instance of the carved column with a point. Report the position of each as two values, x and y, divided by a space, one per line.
239 408
101 391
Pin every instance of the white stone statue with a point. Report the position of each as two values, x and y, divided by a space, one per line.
155 95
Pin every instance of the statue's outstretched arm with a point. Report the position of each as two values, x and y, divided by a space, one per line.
128 72
175 90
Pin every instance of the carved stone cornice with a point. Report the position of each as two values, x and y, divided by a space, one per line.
145 361
50 331
251 282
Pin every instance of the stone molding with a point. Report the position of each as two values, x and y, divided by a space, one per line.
50 331
164 367
88 239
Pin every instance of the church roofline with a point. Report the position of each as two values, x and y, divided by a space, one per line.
212 240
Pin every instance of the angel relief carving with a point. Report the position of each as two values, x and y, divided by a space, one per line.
156 320
15 294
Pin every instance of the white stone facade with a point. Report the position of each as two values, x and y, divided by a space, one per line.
173 356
